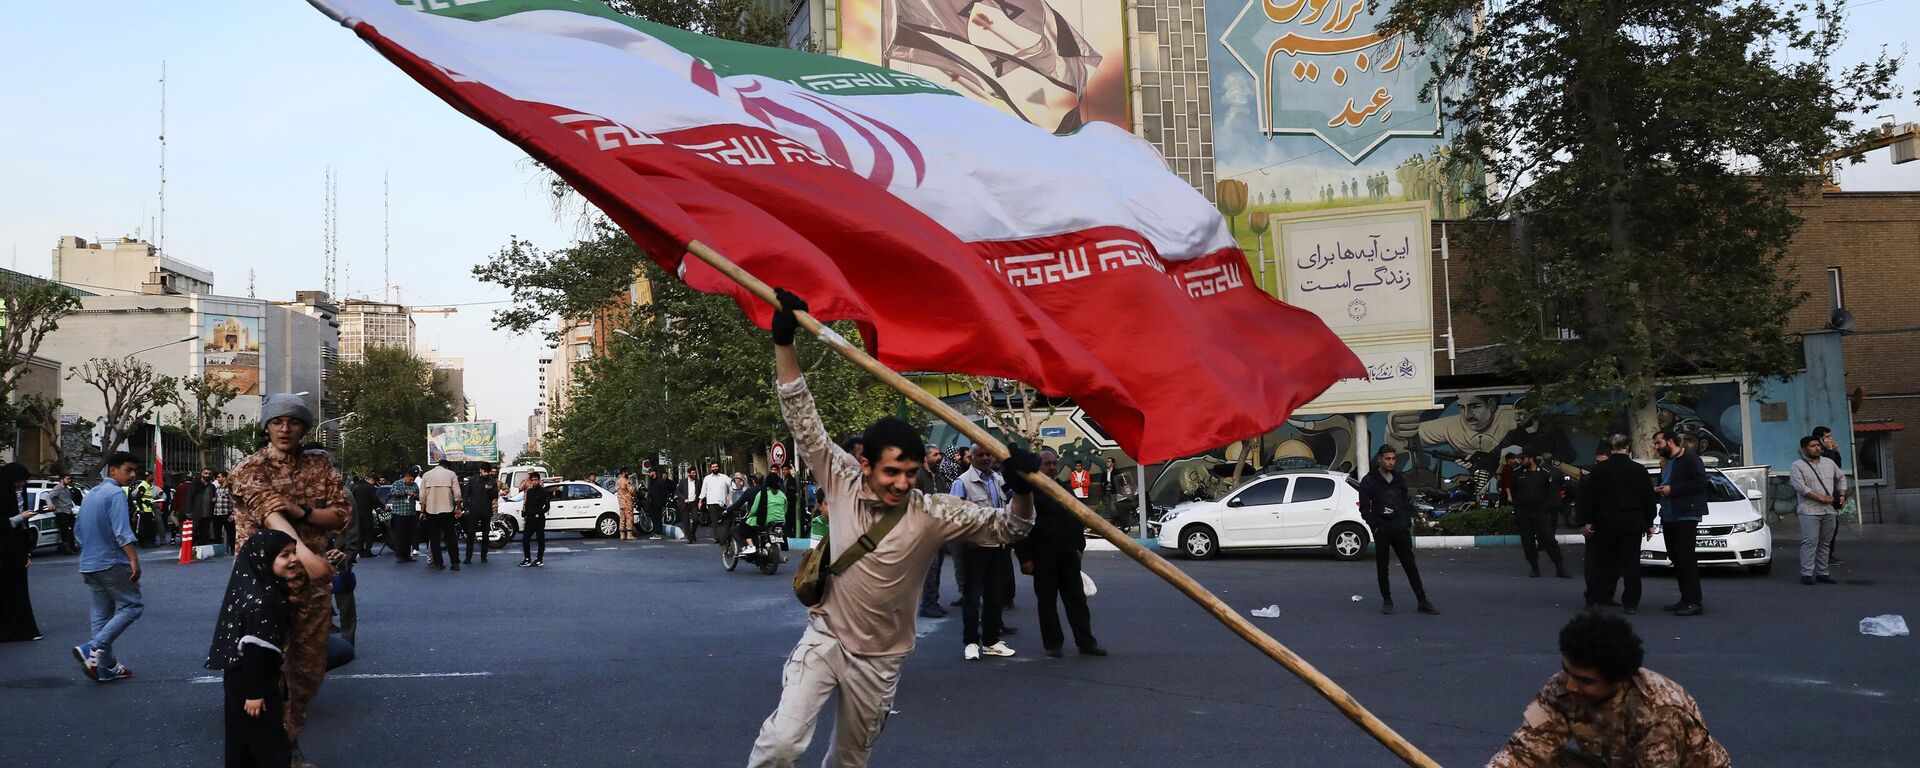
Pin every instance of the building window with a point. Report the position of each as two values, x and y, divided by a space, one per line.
1872 449
1834 288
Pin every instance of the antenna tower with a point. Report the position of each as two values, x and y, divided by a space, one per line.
160 228
386 241
250 283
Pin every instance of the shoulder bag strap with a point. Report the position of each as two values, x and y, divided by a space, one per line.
868 541
1814 469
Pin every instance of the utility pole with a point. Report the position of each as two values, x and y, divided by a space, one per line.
386 241
160 228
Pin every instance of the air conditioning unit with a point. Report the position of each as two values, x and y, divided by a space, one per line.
1906 150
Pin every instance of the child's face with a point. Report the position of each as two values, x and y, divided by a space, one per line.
286 565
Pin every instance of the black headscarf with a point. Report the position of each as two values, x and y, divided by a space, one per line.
256 610
15 544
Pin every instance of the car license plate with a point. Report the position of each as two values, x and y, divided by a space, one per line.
1710 544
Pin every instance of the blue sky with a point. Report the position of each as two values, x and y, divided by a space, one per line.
263 96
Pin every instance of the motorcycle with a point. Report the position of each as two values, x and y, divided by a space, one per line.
769 545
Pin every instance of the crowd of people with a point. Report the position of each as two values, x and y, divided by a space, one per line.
886 511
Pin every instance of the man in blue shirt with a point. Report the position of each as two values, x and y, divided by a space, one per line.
110 565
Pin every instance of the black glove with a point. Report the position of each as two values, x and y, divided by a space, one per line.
1019 462
784 323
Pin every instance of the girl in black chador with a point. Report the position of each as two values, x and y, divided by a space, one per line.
253 625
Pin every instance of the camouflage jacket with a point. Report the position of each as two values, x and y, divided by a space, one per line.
1650 723
268 481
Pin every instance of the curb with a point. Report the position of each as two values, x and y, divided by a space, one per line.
1475 542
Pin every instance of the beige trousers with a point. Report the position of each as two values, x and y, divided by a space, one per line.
817 668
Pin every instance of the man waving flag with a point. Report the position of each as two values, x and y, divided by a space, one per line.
1078 263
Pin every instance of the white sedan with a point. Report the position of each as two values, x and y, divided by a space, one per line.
574 505
1296 509
1733 534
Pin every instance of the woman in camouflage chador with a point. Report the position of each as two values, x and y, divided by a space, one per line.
296 490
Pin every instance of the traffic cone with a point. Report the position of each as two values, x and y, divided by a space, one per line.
186 541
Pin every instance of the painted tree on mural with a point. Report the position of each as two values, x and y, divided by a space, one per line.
1644 155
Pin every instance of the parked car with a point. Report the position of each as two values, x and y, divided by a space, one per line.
1289 509
576 505
44 523
1733 534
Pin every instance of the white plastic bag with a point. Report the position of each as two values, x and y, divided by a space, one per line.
1269 612
1087 585
1884 625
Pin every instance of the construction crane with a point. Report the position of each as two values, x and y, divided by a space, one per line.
442 311
1904 138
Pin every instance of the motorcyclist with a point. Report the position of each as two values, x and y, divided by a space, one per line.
764 503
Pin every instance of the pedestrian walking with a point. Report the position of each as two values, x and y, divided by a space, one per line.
1617 509
659 495
986 564
223 511
689 492
1830 449
65 503
716 492
883 534
623 490
1604 709
110 566
17 538
365 497
441 509
295 490
1532 494
483 494
1683 494
1387 508
533 512
403 501
255 620
928 481
1051 554
1821 486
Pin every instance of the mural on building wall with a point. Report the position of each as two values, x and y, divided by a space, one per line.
1057 64
1464 439
231 347
1315 109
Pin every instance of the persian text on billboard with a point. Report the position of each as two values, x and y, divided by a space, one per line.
463 441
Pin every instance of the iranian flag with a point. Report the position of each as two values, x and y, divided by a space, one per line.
958 238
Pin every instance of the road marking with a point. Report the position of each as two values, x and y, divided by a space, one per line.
368 676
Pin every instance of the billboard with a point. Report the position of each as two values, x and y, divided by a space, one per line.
1368 273
1314 109
463 441
230 347
1057 64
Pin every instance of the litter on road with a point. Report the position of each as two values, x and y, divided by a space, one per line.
1884 625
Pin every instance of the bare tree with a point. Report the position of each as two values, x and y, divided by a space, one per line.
30 309
129 389
43 413
1021 418
202 402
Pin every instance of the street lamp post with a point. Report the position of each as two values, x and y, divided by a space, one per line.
159 457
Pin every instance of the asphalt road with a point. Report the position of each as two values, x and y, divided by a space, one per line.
648 654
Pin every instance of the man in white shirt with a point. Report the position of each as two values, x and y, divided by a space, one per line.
988 566
716 491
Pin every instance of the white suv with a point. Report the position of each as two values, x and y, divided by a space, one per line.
1310 508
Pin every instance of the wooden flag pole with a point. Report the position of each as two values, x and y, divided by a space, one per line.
1341 700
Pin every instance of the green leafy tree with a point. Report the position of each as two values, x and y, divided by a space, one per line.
692 378
30 308
1646 153
396 395
743 20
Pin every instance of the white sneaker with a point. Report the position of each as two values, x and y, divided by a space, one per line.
997 649
972 653
748 550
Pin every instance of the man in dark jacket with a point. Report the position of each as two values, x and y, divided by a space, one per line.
533 514
1051 555
659 494
481 492
1532 494
1388 509
366 499
1683 490
1616 512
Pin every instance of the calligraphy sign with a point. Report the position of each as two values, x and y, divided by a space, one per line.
1320 68
1368 273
